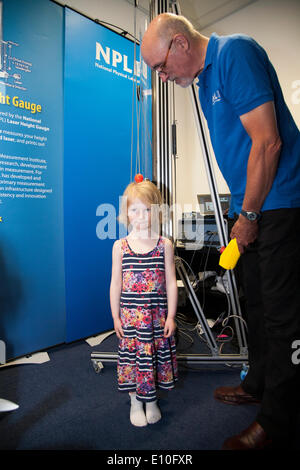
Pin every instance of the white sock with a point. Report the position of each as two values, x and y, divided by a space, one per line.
153 413
137 415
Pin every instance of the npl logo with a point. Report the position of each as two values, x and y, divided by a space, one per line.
116 59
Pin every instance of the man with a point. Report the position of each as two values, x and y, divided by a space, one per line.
257 147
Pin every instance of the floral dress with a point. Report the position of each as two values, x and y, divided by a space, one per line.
146 358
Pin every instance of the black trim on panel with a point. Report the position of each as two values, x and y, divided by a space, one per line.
100 22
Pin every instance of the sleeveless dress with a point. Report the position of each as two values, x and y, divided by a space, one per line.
146 358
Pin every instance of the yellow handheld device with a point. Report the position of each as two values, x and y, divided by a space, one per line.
230 255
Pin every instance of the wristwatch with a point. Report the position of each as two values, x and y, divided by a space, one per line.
252 216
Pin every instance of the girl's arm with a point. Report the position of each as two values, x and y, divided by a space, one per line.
171 286
116 287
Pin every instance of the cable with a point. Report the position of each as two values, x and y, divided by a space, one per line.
140 113
198 327
206 261
233 316
124 32
182 332
133 96
148 140
195 277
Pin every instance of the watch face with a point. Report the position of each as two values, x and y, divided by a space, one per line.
252 216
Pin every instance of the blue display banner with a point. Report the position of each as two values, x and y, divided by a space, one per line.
32 307
100 151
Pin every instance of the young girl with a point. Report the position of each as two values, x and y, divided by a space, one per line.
143 298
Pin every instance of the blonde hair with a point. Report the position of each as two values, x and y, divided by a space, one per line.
146 191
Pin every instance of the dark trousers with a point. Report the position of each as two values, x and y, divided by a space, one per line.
271 281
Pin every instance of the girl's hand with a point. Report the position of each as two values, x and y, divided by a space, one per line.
118 328
170 327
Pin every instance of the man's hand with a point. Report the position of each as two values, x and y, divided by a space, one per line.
245 232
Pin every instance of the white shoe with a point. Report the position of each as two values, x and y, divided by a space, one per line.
6 405
137 415
153 413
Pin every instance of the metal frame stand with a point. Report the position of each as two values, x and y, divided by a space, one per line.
233 294
214 357
163 166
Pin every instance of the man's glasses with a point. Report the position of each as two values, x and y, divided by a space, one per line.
161 67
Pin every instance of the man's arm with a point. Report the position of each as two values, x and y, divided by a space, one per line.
261 126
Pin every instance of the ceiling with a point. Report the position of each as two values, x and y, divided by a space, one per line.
202 13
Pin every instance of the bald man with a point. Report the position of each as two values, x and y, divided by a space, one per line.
257 146
160 41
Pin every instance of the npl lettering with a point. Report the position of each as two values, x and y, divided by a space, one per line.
115 58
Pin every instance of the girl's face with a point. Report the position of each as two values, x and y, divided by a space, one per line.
139 215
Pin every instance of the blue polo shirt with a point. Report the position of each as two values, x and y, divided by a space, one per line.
237 77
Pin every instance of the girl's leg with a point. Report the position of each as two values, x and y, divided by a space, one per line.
137 414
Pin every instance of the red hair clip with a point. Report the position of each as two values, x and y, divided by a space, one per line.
138 178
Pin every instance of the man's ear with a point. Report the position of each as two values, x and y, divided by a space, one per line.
181 42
